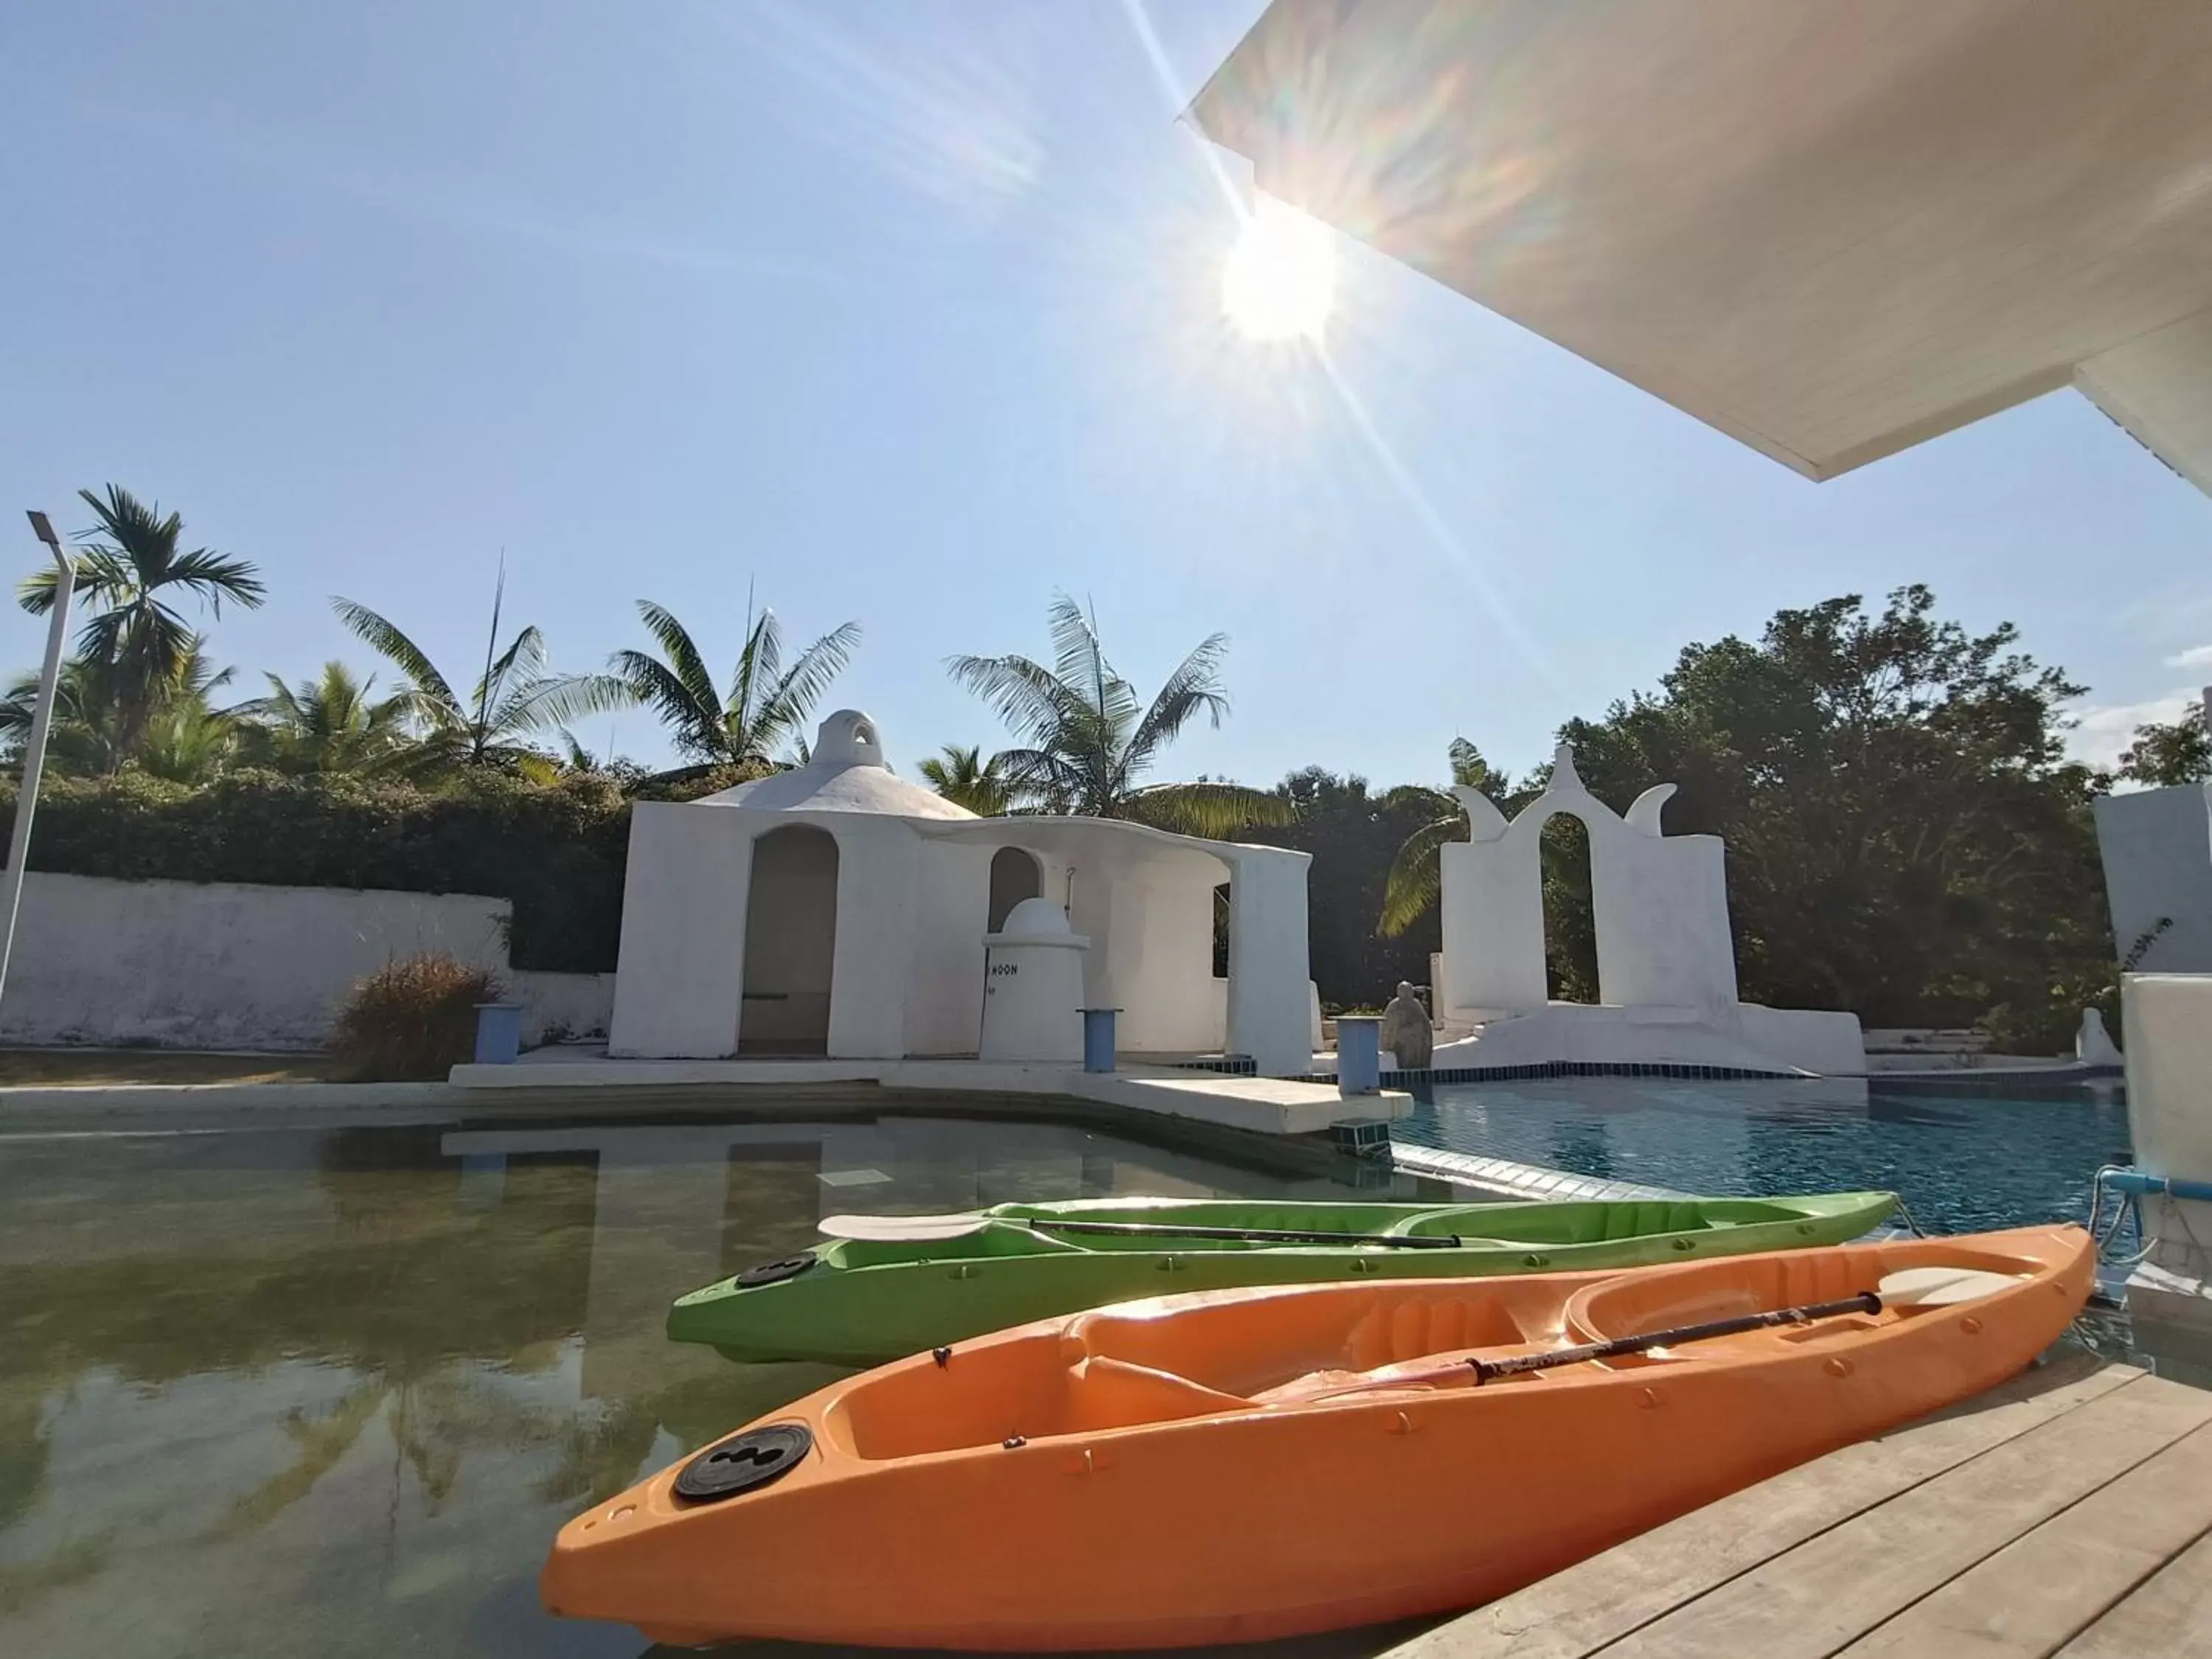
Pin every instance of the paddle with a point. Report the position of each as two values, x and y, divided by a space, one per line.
930 1229
1910 1288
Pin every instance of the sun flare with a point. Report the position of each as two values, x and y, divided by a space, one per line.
1280 280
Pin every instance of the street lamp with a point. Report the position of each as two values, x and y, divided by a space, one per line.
34 746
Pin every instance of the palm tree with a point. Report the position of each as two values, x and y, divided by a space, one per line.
1416 875
767 705
185 739
514 695
964 777
1088 739
329 724
131 581
188 743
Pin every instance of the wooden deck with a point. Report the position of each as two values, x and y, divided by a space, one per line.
2069 1512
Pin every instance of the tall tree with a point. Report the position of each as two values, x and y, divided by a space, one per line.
766 707
1906 838
1352 834
2162 753
964 777
515 696
131 581
1087 737
333 723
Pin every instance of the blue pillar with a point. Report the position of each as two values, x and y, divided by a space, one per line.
499 1033
1359 1054
1098 1039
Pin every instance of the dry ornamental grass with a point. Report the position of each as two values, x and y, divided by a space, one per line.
412 1020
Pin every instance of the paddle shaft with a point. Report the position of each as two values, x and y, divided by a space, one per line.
1865 1302
1258 1235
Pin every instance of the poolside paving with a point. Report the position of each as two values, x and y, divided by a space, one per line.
2068 1513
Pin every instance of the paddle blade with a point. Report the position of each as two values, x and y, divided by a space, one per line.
1940 1287
902 1228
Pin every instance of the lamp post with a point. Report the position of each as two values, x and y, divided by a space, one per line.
34 746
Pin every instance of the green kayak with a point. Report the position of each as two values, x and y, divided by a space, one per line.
917 1282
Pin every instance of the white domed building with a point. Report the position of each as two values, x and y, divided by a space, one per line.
838 910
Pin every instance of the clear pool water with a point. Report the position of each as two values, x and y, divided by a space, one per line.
1963 1159
332 1391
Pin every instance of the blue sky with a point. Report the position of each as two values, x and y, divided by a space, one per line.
909 313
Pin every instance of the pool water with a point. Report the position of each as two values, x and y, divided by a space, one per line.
332 1391
1963 1159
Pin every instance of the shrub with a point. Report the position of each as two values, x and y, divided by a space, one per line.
413 1019
556 851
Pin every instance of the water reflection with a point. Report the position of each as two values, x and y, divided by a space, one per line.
332 1391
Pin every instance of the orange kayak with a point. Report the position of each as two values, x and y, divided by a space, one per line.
1239 1465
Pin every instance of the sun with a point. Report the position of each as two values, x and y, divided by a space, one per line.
1280 280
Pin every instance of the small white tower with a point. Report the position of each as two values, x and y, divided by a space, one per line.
1033 986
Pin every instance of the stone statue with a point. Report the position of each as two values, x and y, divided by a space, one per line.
1406 1033
2093 1044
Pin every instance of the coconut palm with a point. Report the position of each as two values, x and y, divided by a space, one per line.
513 697
768 704
188 743
184 739
131 581
332 723
1416 873
964 777
1088 739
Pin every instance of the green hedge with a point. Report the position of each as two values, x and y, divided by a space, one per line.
556 851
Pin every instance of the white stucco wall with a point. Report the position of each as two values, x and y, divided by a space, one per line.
1270 995
879 901
1659 904
224 965
562 1005
2166 1019
2156 847
945 992
1151 923
683 933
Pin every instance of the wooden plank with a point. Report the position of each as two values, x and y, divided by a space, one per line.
1576 1612
2170 1617
2026 1601
1833 1589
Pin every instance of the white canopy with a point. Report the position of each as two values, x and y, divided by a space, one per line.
1831 231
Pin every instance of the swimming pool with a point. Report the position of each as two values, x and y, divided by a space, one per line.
1963 1156
331 1391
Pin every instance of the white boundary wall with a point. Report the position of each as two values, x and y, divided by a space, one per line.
221 965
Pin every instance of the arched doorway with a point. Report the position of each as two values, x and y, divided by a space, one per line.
1015 875
1569 916
791 942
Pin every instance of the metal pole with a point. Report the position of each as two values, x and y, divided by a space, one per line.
34 746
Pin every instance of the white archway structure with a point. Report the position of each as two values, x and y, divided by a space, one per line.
1659 904
1666 960
869 921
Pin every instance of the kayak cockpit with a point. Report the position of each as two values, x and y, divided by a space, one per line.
1027 1389
1119 1368
1148 1363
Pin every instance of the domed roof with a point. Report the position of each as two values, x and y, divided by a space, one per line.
847 774
1036 918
